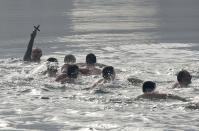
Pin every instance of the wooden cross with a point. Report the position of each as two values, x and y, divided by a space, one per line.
37 28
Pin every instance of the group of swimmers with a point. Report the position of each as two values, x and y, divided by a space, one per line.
70 71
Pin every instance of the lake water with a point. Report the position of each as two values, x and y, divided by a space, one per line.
147 39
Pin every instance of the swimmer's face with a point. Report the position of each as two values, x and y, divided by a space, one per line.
52 66
70 61
109 76
36 54
108 73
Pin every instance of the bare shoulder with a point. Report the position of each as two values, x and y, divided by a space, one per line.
60 77
84 71
135 81
97 83
97 71
176 85
81 64
100 65
64 67
152 96
94 85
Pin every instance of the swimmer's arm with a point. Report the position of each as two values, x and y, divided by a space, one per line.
175 97
176 85
84 71
135 81
81 64
96 71
63 81
60 77
94 85
152 96
64 68
27 56
139 97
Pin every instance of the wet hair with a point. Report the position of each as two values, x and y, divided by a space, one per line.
91 59
37 49
148 86
69 58
107 72
52 59
183 74
72 71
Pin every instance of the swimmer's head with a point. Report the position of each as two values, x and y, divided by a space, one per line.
91 59
36 54
184 77
148 87
108 73
52 64
52 59
69 59
72 71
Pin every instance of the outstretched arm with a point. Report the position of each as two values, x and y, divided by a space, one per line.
94 85
175 97
27 56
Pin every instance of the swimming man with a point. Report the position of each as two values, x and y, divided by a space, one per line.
70 76
52 67
148 89
90 66
68 60
31 54
183 79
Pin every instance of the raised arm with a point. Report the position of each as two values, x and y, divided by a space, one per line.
27 56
